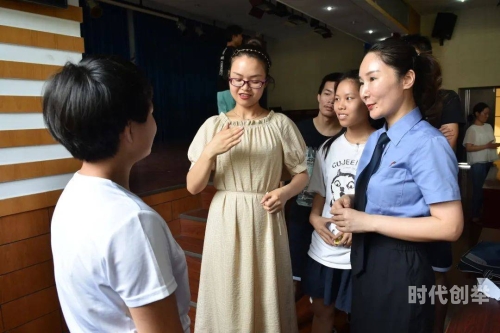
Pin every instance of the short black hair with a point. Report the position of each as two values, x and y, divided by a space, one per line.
233 30
332 77
87 105
422 43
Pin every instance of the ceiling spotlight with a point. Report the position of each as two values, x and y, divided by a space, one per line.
181 26
370 31
266 6
296 19
323 31
462 0
329 8
199 31
95 9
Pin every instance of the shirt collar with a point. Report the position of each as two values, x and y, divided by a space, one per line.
403 125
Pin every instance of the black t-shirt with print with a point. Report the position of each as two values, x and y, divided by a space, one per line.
224 66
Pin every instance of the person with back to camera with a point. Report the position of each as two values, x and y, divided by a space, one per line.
117 266
481 148
246 283
406 193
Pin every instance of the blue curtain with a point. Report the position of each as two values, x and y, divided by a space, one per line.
183 70
107 34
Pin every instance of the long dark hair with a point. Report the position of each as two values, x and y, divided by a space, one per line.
478 108
402 57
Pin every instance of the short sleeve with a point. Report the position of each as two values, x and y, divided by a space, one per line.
470 136
317 183
452 109
294 148
139 259
435 171
204 135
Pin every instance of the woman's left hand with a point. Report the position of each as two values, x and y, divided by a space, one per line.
350 220
274 201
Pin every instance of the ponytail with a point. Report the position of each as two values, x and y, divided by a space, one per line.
402 57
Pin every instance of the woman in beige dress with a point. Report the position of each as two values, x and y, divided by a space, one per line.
246 276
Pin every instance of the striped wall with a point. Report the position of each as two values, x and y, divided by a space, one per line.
35 41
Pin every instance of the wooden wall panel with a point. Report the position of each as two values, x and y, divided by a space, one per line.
24 253
165 210
1 320
20 104
29 202
65 328
30 307
26 281
25 225
26 37
50 323
26 71
21 138
11 172
71 13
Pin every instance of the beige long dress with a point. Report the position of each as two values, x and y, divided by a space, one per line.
246 276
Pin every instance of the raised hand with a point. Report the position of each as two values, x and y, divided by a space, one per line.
226 139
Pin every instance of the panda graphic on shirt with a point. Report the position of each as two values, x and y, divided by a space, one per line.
342 184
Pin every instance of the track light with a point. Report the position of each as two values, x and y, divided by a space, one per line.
323 31
95 9
199 31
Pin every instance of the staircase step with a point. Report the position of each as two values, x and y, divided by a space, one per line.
194 267
193 223
192 246
199 215
207 195
192 315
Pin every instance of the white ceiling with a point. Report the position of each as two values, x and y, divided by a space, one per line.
434 6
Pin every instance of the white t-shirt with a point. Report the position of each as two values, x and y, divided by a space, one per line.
480 135
111 252
332 178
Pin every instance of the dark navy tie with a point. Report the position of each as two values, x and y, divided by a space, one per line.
358 239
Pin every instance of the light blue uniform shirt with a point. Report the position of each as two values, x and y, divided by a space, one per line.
418 168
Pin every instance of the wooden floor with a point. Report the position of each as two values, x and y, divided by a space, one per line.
167 167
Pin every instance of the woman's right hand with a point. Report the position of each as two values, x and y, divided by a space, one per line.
320 224
492 145
226 139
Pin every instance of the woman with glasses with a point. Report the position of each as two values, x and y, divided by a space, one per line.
246 283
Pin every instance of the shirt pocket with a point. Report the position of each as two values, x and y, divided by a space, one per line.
386 188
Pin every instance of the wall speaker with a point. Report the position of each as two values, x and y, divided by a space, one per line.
443 26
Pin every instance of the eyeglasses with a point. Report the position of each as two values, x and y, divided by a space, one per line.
254 84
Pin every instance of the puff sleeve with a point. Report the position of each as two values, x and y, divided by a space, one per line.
204 135
294 148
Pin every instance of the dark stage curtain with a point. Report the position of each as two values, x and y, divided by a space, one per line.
107 34
183 70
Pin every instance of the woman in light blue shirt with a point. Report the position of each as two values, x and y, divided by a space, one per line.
406 194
